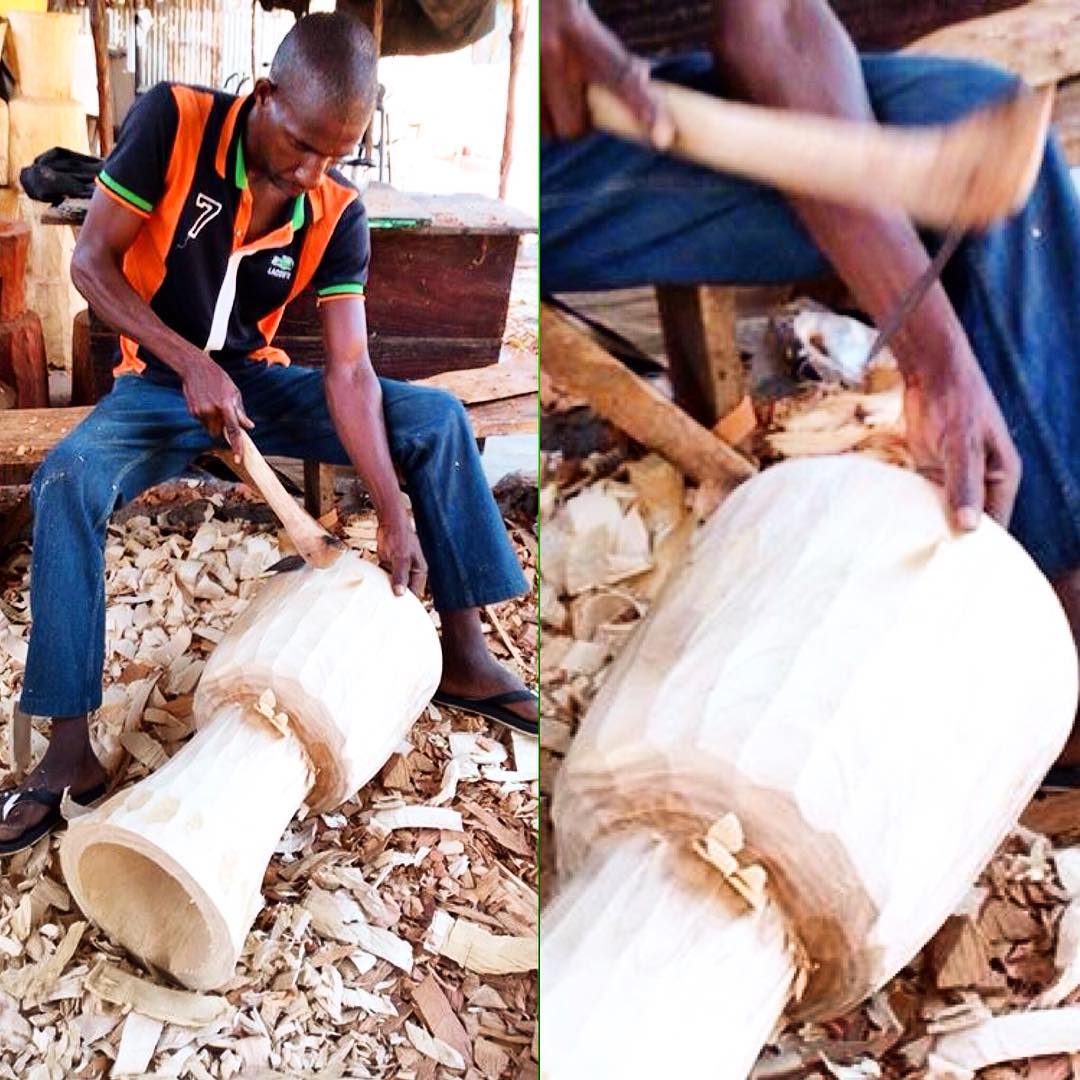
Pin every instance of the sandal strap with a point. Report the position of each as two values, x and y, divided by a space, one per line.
10 799
509 698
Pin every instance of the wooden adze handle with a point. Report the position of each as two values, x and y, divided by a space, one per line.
969 173
312 541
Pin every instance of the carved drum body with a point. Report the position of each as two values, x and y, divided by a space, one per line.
172 866
873 697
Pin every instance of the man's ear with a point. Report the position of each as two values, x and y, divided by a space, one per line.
264 90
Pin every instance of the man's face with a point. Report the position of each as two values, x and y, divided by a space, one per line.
304 138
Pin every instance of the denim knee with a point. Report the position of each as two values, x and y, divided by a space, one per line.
66 474
906 89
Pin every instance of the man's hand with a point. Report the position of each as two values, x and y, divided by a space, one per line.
958 437
213 398
399 553
576 49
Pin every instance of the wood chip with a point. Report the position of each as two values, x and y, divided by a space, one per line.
119 987
137 1045
489 954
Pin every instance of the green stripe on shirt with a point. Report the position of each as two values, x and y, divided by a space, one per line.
124 193
337 290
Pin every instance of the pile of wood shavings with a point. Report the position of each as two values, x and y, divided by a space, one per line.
613 529
399 932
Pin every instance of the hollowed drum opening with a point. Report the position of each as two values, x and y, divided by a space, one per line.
147 910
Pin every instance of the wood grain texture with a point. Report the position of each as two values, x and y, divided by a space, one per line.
1039 41
845 675
14 255
23 363
578 366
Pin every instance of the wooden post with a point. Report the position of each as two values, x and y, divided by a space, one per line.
578 365
99 27
699 334
517 36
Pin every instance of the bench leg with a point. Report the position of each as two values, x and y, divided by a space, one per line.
318 488
706 372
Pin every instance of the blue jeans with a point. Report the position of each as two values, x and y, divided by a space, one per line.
615 215
142 434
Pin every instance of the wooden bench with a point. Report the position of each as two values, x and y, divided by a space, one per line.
501 400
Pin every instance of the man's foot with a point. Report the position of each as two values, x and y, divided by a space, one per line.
69 762
472 675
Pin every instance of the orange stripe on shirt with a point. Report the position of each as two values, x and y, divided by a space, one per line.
144 263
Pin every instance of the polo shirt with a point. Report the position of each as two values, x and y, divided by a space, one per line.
179 165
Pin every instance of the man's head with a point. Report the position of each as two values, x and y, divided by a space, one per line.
317 102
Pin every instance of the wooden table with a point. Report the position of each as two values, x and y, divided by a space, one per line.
439 290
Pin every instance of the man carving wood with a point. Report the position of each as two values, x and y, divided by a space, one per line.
211 214
989 358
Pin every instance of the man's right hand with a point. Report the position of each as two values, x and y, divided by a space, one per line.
213 398
576 49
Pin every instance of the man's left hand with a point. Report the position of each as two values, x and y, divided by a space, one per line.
400 554
959 438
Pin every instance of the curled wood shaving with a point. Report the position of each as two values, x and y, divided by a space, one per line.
119 987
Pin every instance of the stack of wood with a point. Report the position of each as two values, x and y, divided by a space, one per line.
40 50
43 113
23 367
399 932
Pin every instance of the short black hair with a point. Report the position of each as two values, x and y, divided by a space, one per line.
331 55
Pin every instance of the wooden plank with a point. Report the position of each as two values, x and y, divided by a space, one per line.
707 375
496 382
1039 41
580 367
27 435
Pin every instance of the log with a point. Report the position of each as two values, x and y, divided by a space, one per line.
14 255
1066 119
971 172
303 700
22 360
41 52
827 723
580 367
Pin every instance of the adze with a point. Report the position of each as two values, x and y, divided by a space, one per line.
961 175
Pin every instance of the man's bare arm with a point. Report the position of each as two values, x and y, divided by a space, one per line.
354 397
795 54
97 272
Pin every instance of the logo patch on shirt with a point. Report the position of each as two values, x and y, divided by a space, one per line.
281 266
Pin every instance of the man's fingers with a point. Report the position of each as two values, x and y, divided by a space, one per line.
964 471
399 575
629 78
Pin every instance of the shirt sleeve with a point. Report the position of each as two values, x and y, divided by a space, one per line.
134 173
344 267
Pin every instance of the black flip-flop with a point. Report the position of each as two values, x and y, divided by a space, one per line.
493 708
30 836
1062 778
